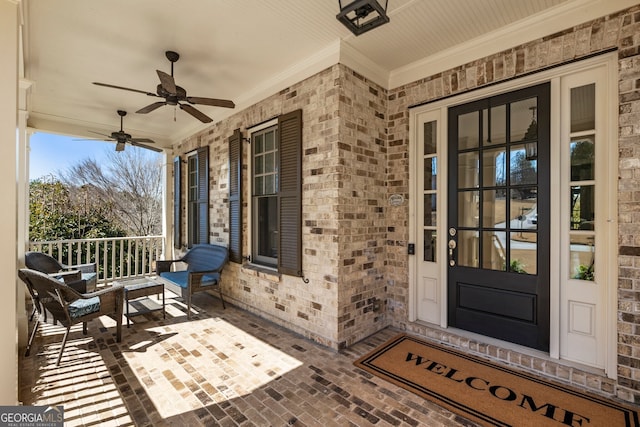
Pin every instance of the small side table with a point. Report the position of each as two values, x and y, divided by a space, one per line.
137 301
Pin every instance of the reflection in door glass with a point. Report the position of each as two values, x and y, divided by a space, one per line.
468 169
523 170
430 245
583 108
494 208
494 256
523 121
468 130
468 209
582 158
430 138
494 125
523 208
429 210
523 253
430 173
494 167
467 248
583 207
582 256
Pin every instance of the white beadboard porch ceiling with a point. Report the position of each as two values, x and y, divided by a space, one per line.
245 50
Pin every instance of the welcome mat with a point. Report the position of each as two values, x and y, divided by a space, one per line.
488 393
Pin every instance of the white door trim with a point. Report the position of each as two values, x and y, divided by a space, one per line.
440 107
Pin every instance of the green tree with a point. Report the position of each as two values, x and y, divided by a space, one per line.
55 216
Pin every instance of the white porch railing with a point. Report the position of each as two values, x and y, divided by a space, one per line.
115 257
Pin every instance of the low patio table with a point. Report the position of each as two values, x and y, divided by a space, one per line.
136 298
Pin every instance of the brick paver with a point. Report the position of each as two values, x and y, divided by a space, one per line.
224 367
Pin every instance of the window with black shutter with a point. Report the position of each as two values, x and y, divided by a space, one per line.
276 198
198 197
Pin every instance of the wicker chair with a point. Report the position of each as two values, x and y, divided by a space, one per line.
46 264
70 307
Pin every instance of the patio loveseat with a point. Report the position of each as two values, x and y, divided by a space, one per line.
204 267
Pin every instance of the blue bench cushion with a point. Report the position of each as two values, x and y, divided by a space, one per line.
181 278
82 307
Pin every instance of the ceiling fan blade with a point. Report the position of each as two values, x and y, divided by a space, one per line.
132 142
125 88
149 108
145 140
196 113
102 134
167 82
211 101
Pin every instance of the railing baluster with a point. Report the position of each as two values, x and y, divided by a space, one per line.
130 256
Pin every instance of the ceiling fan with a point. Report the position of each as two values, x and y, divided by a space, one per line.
175 95
121 137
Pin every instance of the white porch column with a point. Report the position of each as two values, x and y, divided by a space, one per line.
9 13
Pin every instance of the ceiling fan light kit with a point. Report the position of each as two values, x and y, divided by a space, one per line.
174 94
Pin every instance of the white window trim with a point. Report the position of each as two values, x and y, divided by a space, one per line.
252 130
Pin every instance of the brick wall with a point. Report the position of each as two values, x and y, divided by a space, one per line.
355 156
619 31
343 172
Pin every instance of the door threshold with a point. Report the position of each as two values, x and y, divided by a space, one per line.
516 355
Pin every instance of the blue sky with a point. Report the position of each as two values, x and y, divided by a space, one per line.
51 154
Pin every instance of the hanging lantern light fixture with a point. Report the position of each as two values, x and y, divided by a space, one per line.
360 16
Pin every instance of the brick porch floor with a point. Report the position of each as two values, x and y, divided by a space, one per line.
224 367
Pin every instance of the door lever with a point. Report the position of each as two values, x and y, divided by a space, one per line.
452 245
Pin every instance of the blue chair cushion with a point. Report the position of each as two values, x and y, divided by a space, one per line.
82 307
181 278
90 277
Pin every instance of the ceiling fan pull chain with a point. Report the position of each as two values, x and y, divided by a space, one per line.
174 113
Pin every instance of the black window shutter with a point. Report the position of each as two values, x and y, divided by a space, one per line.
203 195
235 197
177 221
290 194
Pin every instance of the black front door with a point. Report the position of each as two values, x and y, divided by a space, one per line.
498 216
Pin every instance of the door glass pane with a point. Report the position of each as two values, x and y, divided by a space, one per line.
493 254
430 172
467 248
468 169
430 137
523 253
582 207
430 245
494 162
429 210
468 212
494 208
583 108
494 125
582 158
468 130
523 170
523 120
523 208
582 256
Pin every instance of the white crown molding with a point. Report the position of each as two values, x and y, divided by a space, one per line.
312 65
360 63
553 20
